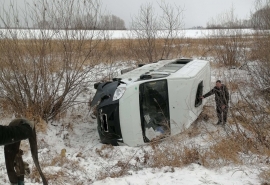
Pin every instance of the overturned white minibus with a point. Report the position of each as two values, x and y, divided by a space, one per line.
151 101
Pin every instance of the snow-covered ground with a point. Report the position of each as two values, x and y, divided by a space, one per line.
194 174
87 161
83 163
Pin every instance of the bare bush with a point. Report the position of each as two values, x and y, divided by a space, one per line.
260 19
156 36
229 45
255 94
43 71
260 68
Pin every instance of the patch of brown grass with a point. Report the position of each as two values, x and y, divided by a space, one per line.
119 49
225 152
208 113
174 155
233 86
118 170
105 151
51 178
61 175
42 126
102 51
265 177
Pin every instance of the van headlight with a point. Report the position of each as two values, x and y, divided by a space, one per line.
119 93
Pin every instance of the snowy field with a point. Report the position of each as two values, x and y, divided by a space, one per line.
86 160
112 34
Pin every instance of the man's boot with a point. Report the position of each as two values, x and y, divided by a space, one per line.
19 183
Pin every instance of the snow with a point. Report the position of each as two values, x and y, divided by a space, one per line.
85 141
86 159
81 147
191 175
112 34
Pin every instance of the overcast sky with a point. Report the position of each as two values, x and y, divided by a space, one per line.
196 12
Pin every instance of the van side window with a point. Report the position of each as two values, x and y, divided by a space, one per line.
199 93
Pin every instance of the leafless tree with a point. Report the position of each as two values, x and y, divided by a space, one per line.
156 35
260 19
145 27
171 20
260 49
43 71
228 44
250 105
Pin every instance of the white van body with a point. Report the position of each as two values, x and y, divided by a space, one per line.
166 92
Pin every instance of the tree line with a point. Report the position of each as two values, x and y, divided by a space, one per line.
43 14
105 22
259 19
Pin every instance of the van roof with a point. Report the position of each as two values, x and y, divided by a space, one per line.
190 70
180 68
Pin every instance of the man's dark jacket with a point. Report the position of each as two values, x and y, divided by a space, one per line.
12 134
221 95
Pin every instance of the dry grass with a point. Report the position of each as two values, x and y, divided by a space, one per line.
174 156
208 113
265 177
224 152
160 156
119 48
106 151
61 175
41 126
233 86
254 122
118 170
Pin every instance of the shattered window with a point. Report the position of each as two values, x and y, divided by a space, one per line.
199 93
154 109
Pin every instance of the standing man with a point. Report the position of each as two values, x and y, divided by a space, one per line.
11 136
222 101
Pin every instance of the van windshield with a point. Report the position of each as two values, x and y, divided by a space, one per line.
154 109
